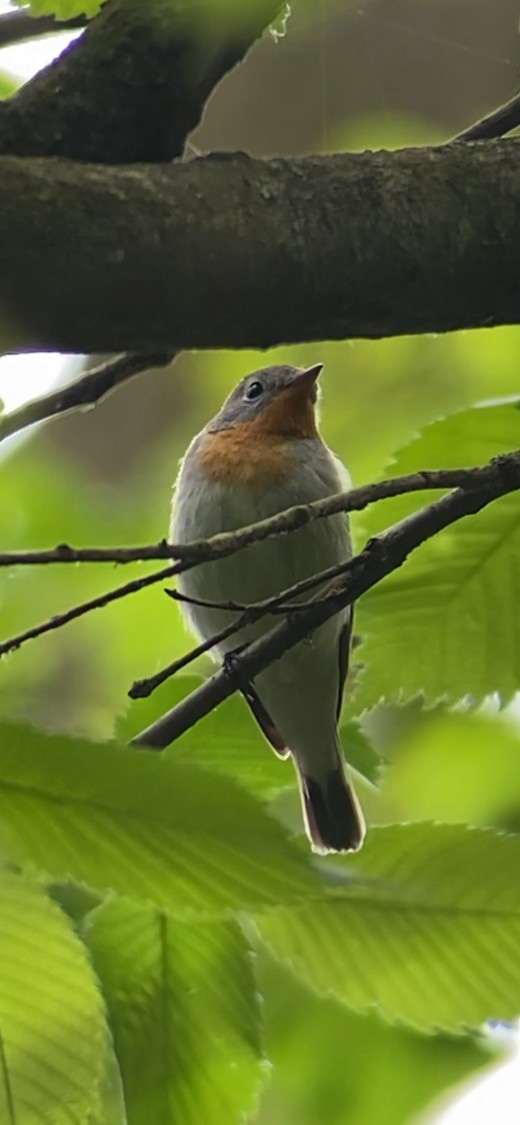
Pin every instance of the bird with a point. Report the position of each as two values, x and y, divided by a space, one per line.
261 454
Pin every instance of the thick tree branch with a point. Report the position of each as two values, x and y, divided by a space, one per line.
86 391
370 244
130 88
229 542
382 555
15 27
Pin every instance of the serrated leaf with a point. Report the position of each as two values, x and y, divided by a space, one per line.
392 1073
278 27
359 751
142 825
185 1014
429 935
442 625
54 1041
228 740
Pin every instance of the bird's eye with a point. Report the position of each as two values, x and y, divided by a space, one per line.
253 391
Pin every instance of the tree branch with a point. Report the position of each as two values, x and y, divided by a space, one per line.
325 247
77 611
502 475
15 27
130 88
494 124
229 542
382 555
86 391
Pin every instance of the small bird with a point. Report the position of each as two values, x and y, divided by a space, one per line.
259 455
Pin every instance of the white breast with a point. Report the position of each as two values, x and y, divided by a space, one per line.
203 509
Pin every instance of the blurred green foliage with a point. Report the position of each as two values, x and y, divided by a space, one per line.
423 925
8 84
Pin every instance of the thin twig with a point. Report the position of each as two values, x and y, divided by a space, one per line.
141 689
227 543
495 124
276 605
15 27
219 546
84 392
249 614
77 611
382 555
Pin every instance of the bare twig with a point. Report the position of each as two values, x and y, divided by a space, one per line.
473 481
84 392
141 689
248 615
15 27
380 557
279 604
227 543
77 611
495 124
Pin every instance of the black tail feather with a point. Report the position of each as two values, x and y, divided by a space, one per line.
333 818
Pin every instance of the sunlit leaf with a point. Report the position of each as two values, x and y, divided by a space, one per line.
54 1041
428 934
442 625
62 9
8 83
455 767
328 1060
143 825
185 1014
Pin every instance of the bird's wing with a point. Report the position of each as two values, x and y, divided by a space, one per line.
343 658
265 722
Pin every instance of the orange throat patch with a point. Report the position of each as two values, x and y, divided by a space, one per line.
259 452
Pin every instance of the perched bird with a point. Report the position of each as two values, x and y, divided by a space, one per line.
261 454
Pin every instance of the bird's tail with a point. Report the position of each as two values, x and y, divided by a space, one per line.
333 818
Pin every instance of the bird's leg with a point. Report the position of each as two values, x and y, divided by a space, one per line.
230 660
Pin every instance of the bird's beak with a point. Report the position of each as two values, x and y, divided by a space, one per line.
303 387
292 412
306 379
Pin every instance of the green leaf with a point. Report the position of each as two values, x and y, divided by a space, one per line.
391 1075
185 1015
456 767
442 625
54 1041
140 824
8 83
278 27
62 9
359 752
428 933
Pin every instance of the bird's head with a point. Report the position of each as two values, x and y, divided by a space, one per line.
280 401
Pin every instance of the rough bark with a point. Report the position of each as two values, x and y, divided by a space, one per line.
131 87
227 251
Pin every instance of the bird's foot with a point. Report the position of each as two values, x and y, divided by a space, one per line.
231 664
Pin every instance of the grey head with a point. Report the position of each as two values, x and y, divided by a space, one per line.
256 391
